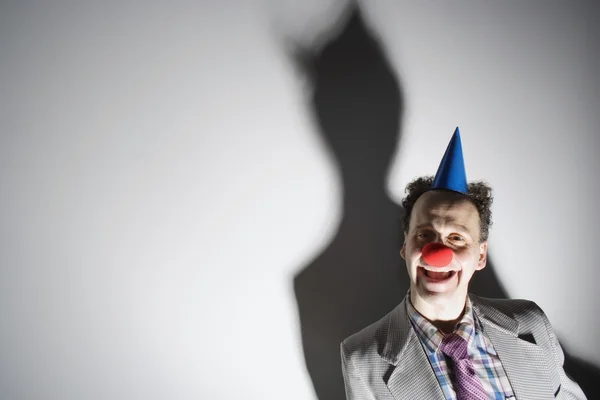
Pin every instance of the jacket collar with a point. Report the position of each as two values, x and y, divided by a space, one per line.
414 377
398 333
489 315
400 330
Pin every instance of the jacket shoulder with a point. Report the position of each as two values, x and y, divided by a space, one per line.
508 305
519 309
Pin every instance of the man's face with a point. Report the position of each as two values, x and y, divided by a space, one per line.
451 219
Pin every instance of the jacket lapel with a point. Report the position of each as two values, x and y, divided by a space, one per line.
523 362
412 376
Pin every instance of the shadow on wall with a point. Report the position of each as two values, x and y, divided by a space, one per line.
360 277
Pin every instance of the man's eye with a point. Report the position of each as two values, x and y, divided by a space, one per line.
456 238
422 235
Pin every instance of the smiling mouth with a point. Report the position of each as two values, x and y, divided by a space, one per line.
437 275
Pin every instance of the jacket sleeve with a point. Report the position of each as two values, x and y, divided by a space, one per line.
356 388
569 389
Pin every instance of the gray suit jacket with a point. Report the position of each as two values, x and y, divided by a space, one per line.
386 360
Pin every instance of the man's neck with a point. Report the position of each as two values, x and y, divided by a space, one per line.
444 314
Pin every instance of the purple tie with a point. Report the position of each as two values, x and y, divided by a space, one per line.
467 384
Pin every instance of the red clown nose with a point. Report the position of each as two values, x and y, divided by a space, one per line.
436 254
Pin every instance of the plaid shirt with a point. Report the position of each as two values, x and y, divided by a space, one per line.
485 360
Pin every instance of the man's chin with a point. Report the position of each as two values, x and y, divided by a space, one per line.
428 292
428 289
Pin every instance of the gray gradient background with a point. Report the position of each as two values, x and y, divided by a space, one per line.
163 179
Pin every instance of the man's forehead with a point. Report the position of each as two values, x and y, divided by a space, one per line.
441 197
447 208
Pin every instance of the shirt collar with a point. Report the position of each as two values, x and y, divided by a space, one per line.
431 336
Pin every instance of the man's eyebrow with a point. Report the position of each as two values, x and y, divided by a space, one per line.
458 227
421 226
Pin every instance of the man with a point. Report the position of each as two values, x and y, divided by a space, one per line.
441 342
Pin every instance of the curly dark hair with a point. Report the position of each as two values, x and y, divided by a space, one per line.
479 193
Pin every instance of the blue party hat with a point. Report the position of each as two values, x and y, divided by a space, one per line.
451 173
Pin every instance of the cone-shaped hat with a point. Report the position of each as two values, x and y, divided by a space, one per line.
451 173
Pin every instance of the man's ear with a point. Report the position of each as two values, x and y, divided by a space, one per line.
403 249
481 263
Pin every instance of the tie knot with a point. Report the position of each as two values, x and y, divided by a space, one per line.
454 346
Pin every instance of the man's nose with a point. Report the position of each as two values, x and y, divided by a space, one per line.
436 254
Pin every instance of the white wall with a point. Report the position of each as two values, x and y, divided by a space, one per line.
151 153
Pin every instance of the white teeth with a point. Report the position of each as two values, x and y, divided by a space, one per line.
438 269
